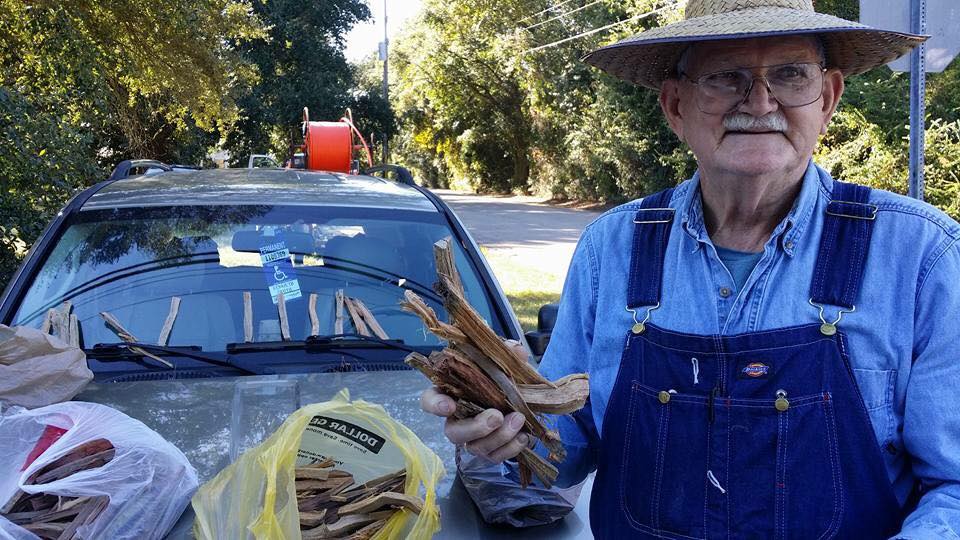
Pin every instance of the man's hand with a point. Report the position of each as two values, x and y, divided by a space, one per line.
488 434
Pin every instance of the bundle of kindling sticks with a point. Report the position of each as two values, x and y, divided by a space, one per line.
54 516
331 505
480 370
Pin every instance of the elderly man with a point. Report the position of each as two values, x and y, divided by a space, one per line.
772 353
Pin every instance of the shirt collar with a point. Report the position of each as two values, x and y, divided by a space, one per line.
689 204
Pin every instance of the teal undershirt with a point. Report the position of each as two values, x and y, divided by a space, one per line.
739 263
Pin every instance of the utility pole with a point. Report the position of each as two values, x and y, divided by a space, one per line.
386 88
918 91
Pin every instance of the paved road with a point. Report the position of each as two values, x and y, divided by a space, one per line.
535 234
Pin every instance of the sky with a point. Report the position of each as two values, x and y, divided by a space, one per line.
364 38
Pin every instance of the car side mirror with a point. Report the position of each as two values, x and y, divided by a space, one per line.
546 320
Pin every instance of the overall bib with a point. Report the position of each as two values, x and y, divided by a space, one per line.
758 435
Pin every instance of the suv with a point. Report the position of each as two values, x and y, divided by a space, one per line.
226 277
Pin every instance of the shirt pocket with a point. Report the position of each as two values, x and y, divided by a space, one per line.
876 389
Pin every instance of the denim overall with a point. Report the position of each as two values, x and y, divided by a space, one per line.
759 435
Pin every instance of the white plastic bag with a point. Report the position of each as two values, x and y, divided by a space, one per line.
149 481
38 369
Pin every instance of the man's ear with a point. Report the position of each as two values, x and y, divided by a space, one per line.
833 86
670 105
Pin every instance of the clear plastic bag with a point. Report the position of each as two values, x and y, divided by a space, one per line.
255 496
149 481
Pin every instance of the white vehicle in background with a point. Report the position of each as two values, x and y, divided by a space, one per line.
262 161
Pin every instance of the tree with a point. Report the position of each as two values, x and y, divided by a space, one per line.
86 83
301 64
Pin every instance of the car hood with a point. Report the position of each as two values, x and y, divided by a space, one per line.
195 415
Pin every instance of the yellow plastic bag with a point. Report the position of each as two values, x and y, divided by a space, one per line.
255 496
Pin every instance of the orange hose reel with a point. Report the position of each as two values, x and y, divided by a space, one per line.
329 145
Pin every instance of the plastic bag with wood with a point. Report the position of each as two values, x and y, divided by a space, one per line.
84 470
38 369
352 453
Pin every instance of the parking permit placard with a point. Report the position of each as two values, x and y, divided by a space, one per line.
278 270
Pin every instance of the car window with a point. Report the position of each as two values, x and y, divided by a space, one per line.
131 262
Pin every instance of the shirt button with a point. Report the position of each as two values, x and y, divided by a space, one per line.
725 292
789 244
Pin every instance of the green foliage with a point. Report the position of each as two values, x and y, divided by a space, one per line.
84 84
301 64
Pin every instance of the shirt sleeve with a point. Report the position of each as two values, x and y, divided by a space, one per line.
569 352
931 424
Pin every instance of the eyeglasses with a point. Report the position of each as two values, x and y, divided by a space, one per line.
792 85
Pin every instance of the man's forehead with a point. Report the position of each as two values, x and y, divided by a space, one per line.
732 53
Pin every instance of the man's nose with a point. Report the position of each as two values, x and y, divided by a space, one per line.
759 100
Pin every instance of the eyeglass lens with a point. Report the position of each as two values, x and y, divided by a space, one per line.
793 85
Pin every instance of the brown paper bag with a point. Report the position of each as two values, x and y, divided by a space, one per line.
37 369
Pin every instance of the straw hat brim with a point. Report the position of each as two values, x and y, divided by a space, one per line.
650 57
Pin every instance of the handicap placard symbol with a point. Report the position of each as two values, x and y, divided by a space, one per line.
278 274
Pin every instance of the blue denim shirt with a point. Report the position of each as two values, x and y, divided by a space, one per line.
904 335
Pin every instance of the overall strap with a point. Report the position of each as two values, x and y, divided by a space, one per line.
847 228
650 237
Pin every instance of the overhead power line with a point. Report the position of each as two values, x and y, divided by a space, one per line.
551 8
602 28
562 15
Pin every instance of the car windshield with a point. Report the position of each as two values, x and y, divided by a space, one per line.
228 265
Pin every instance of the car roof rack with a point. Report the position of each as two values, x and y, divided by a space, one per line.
122 170
401 174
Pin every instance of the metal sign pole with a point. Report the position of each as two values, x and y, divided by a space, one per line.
918 91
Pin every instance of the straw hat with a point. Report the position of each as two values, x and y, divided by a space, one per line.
650 57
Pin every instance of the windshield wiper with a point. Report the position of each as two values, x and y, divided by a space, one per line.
321 344
123 351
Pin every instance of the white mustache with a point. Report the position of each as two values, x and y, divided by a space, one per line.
774 121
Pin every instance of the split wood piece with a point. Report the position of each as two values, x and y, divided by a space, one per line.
480 335
74 331
89 462
79 452
126 336
343 526
458 379
323 464
312 310
168 323
87 515
369 319
46 530
390 498
446 264
54 514
569 394
15 503
312 519
61 323
48 321
311 473
550 438
247 317
388 478
284 322
412 303
366 533
338 315
355 317
329 484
